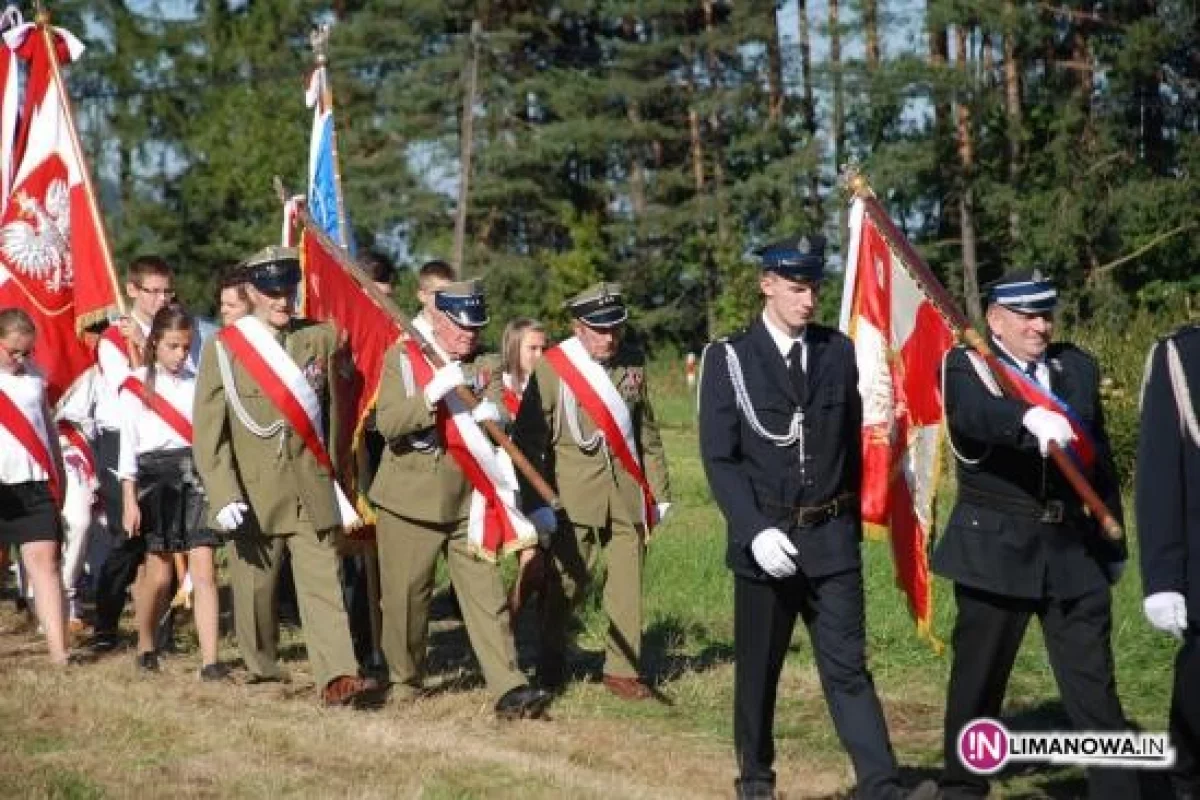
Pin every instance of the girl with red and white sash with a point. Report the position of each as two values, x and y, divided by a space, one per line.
163 500
31 476
521 347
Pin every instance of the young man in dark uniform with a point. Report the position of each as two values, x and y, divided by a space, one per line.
1019 543
1168 517
780 419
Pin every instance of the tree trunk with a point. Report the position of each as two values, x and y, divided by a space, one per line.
637 174
966 199
839 123
871 28
1012 108
774 70
810 104
466 144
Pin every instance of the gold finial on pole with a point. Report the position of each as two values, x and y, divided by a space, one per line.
853 181
41 13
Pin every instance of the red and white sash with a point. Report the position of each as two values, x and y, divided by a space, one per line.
168 413
25 431
594 390
494 525
112 334
512 398
273 369
77 453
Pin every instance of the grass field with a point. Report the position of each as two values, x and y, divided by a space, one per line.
102 731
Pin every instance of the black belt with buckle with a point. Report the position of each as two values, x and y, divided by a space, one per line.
812 516
1052 512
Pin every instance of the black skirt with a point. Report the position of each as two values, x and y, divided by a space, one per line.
172 502
28 514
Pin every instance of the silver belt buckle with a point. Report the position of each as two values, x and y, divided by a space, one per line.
1053 512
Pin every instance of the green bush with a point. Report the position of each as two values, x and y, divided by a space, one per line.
1121 346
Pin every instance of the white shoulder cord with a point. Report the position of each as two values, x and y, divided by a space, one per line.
235 402
795 432
949 433
570 412
1183 394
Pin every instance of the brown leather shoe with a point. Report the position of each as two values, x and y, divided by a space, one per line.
347 690
627 688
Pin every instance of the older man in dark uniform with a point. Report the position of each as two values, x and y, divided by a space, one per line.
780 416
1168 517
1019 543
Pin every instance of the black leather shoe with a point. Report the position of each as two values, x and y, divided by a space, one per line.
147 662
214 672
754 790
102 643
523 702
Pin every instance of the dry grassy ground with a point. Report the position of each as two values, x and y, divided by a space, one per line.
101 730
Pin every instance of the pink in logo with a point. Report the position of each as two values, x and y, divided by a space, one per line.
983 746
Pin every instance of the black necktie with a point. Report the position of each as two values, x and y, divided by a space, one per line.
796 370
1031 371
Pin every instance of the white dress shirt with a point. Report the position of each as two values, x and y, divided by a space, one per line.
1041 371
143 431
114 367
784 342
27 392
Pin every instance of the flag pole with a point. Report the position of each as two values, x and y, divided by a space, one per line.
544 490
941 299
43 26
320 45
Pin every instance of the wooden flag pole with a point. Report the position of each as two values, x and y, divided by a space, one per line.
1110 526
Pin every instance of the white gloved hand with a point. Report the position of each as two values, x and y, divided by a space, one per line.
486 411
232 515
661 509
443 382
1048 426
772 549
1167 611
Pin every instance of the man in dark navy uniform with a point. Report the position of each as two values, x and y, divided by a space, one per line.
780 416
1019 542
1168 517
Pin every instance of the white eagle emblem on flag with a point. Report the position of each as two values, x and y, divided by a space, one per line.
40 249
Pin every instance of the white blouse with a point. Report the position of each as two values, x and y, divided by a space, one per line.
28 393
142 430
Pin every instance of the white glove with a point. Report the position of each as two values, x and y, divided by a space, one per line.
1048 426
231 516
443 382
1167 611
773 550
661 509
486 411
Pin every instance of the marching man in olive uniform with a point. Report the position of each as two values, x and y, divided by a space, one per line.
265 426
442 489
586 423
